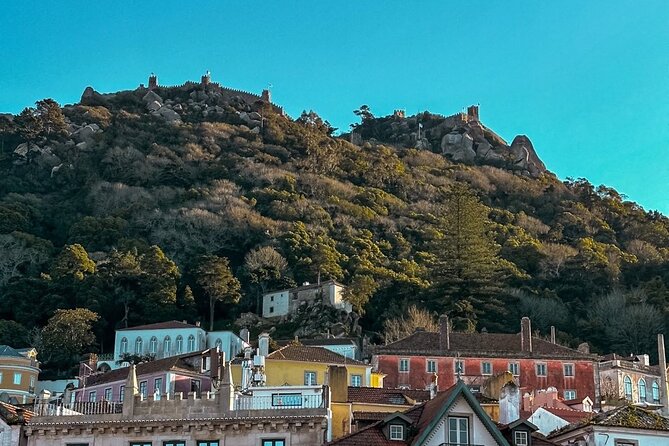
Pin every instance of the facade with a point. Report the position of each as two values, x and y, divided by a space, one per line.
477 357
166 339
19 371
631 379
453 417
283 302
625 426
12 418
215 419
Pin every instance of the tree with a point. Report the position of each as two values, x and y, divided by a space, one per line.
21 253
313 252
13 334
358 293
218 283
53 121
264 266
67 336
398 328
122 275
72 262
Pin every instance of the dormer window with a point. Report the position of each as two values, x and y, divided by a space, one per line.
520 438
458 430
396 432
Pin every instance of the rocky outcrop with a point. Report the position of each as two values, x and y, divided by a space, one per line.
524 156
93 98
459 147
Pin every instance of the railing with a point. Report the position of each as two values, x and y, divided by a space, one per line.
105 357
279 401
77 408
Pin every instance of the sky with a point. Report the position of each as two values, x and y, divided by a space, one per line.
586 81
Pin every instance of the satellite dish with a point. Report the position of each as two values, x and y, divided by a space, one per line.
4 397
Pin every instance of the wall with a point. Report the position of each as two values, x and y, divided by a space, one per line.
160 334
607 436
231 344
612 382
282 372
478 433
27 368
418 377
278 302
546 421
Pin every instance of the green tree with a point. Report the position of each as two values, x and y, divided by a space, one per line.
360 290
264 266
218 283
53 121
14 334
72 262
67 336
313 252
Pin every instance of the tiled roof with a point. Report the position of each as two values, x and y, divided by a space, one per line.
570 415
160 325
8 413
372 395
361 415
6 350
627 416
328 341
312 354
175 363
306 287
478 345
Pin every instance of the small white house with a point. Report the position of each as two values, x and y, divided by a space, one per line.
283 302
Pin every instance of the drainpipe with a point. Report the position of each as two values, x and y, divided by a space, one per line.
663 374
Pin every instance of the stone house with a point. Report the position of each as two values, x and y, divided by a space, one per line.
629 378
283 302
12 419
535 363
19 370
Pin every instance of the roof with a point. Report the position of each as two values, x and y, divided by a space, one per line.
569 415
9 414
173 363
373 395
312 354
6 350
478 345
306 287
362 415
317 342
160 325
423 418
537 438
631 417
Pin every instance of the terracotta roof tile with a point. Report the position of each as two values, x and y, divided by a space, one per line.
372 395
160 325
478 345
312 354
570 415
8 413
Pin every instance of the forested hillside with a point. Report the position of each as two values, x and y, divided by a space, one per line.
143 216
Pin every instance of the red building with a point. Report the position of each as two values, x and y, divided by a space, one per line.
535 363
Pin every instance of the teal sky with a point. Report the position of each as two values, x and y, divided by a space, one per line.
587 81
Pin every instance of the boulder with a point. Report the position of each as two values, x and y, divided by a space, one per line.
152 96
169 115
22 150
524 156
82 146
459 147
153 106
92 98
178 108
86 132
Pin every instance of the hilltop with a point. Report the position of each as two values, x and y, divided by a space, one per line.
113 204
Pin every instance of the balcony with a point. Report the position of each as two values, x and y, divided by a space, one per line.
286 401
60 408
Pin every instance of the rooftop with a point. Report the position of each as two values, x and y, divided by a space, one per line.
6 350
625 416
312 354
307 287
160 326
372 395
479 345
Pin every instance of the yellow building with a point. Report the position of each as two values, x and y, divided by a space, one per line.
298 365
18 373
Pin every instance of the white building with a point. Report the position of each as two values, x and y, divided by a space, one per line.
170 338
283 302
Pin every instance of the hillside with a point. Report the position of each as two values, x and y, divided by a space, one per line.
116 203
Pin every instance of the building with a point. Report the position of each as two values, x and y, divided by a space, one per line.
523 433
625 426
19 370
12 419
477 357
629 378
347 347
214 419
283 302
453 417
191 372
170 338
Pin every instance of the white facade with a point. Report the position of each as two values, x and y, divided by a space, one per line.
227 342
478 433
281 303
275 304
546 421
614 436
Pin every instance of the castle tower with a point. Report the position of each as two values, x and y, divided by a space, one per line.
473 112
399 113
266 96
206 78
153 81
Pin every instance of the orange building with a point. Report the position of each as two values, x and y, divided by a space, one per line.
18 373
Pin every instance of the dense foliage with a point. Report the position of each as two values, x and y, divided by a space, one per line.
151 220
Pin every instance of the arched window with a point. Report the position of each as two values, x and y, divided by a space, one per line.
167 345
642 390
180 344
191 343
124 346
153 345
656 392
219 343
628 388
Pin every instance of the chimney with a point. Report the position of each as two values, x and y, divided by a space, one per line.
245 335
434 386
337 379
226 391
509 403
263 344
444 332
197 323
664 398
583 347
525 335
552 334
131 390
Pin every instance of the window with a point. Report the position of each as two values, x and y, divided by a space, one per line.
541 369
140 443
195 386
310 378
76 444
174 443
459 367
569 370
143 390
628 388
191 343
356 380
569 394
642 390
92 396
108 394
486 368
0 377
153 345
180 344
17 378
277 442
514 368
404 364
520 439
396 432
124 345
158 385
431 366
271 298
138 346
656 392
458 430
121 395
167 345
271 309
626 442
207 443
